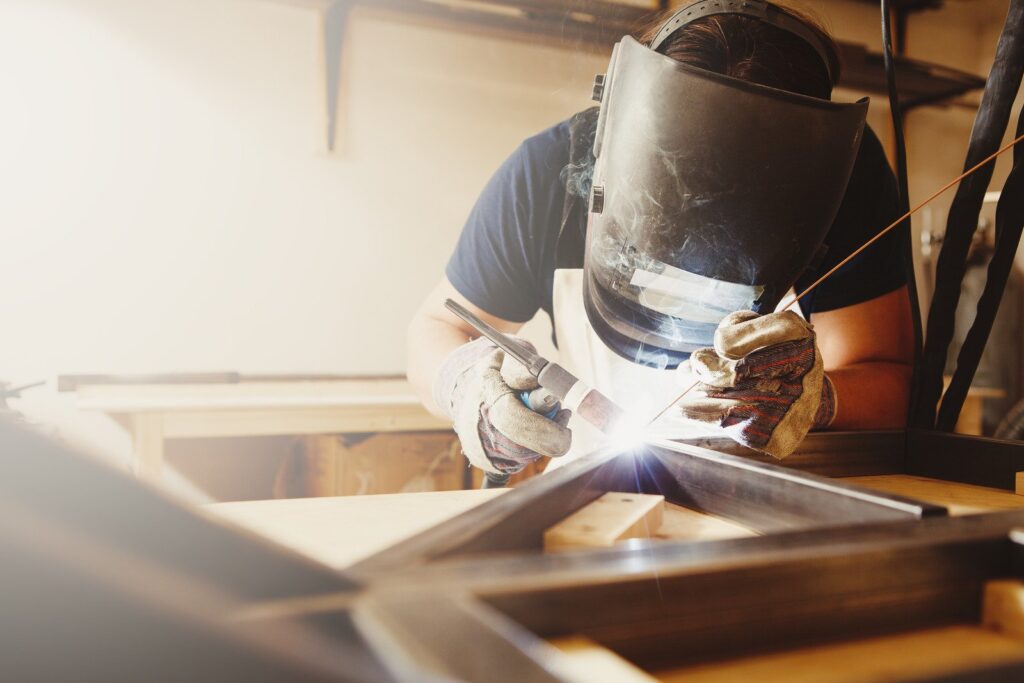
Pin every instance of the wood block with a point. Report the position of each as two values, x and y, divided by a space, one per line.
611 518
1018 484
585 661
683 524
1002 607
919 655
961 499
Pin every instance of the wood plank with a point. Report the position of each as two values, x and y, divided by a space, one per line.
611 518
585 661
1002 608
1018 483
170 397
905 657
148 442
960 499
309 420
340 531
683 524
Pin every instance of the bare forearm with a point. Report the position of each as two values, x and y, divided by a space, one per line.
428 343
871 395
434 333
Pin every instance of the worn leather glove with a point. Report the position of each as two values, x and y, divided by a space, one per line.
478 387
763 382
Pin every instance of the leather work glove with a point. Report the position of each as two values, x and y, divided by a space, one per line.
764 382
478 387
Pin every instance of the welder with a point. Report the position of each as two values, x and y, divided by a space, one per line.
660 231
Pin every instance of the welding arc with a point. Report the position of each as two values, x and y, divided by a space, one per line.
987 160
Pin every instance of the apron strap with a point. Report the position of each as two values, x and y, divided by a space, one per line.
577 175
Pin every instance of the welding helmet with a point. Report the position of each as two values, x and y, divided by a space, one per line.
710 194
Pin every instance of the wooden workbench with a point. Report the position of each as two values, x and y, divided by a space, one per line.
339 531
156 412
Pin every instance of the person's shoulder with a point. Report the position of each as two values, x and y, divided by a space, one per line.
872 181
871 156
547 150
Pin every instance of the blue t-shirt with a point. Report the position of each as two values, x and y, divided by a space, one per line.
505 258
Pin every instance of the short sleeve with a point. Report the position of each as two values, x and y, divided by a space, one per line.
500 260
869 206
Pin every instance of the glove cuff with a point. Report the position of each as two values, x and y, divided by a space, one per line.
454 366
826 413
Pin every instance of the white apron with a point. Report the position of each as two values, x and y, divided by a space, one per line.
638 389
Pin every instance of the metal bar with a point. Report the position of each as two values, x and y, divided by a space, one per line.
766 497
513 347
670 604
333 22
514 521
829 454
967 459
451 637
661 605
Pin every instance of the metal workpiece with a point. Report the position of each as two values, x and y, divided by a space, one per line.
765 497
475 598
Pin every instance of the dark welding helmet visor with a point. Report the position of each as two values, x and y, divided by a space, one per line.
710 195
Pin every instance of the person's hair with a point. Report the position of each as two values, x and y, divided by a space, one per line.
747 48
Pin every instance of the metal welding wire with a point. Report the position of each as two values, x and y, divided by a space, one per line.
905 230
1009 225
989 126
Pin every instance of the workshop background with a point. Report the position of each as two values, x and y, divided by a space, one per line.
170 203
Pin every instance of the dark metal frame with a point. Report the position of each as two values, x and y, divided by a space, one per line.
672 604
765 497
470 599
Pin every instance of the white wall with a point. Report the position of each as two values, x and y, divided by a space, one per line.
168 203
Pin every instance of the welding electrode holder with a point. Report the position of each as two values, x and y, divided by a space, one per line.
541 401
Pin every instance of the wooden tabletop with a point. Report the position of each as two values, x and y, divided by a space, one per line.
266 408
343 530
132 398
960 499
